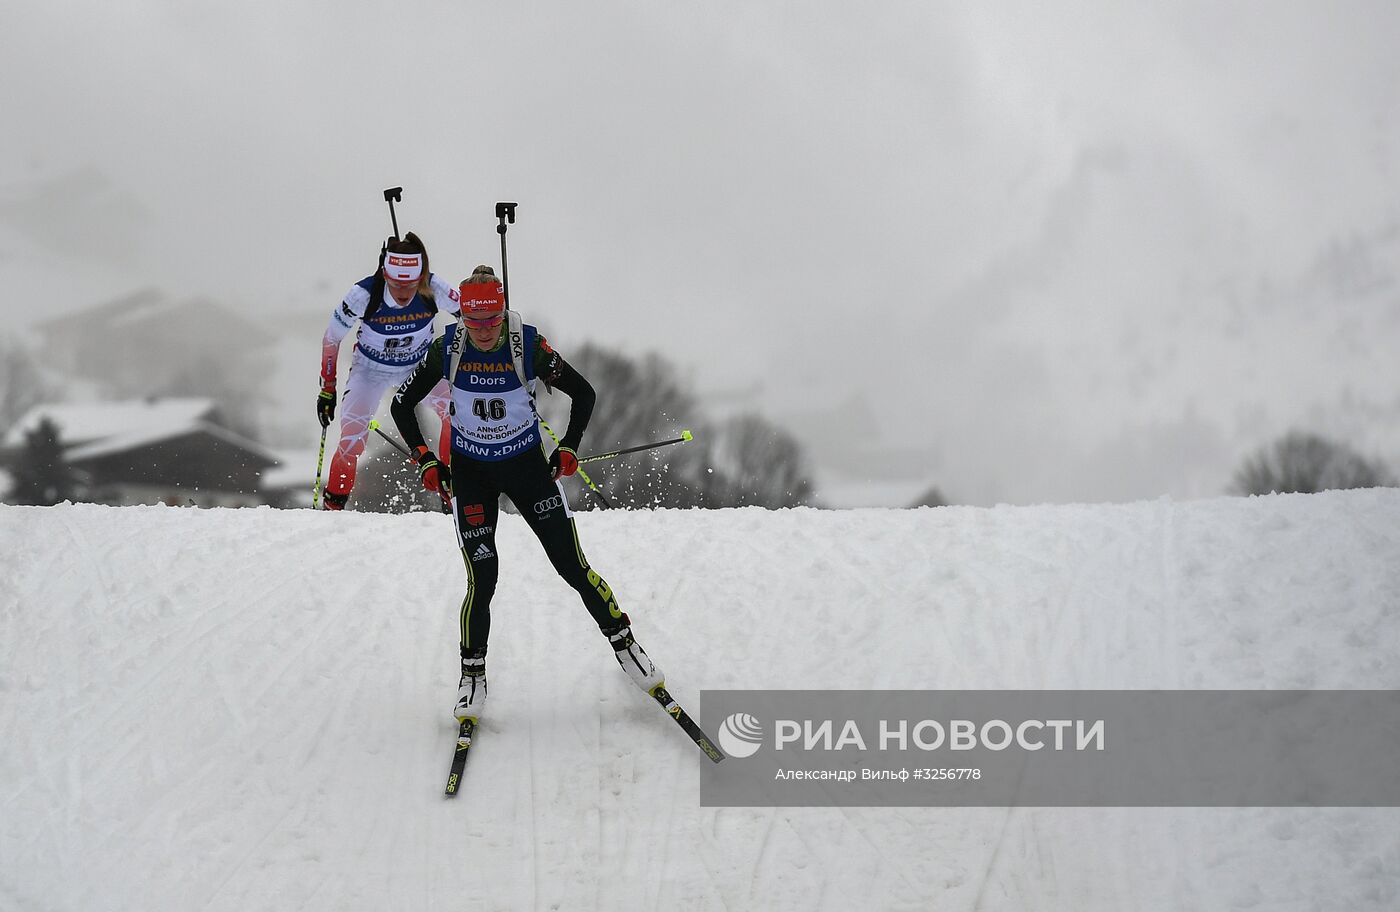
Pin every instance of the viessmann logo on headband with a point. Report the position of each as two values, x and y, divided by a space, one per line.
403 267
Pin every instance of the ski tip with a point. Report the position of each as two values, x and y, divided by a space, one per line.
686 435
374 424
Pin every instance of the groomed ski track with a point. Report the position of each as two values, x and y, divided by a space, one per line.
246 710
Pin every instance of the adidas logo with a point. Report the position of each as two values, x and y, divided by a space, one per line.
482 553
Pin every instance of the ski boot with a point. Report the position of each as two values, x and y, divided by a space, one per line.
471 693
633 658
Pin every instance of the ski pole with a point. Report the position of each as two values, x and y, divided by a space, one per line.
320 460
583 476
505 212
374 426
391 196
685 437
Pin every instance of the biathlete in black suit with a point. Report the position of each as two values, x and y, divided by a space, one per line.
493 361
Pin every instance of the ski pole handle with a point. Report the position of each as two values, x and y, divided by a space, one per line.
505 212
391 196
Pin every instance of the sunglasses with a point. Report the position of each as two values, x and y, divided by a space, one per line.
486 323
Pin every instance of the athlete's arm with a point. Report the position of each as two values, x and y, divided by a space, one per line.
414 390
352 308
559 374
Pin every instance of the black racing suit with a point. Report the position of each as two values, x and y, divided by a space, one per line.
477 485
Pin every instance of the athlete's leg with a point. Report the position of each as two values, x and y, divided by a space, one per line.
364 389
477 501
545 507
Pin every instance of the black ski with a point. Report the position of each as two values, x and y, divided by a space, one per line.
459 756
687 724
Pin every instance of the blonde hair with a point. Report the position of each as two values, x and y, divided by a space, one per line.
481 275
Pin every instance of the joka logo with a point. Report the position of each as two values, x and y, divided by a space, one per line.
741 735
476 514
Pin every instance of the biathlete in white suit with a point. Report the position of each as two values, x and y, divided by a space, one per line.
497 449
395 309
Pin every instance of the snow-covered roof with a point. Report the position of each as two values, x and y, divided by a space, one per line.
137 439
86 423
101 428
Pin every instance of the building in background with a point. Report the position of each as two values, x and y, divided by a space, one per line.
176 451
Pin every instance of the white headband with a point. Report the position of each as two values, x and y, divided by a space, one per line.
403 267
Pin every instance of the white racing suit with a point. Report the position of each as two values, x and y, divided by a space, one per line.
388 347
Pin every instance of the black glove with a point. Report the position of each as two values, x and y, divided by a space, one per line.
563 461
436 476
325 406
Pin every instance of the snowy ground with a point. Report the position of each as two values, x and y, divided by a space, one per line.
235 710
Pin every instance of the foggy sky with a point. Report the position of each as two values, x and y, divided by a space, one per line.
1027 252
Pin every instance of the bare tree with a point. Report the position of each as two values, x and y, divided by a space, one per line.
760 465
1305 463
639 401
